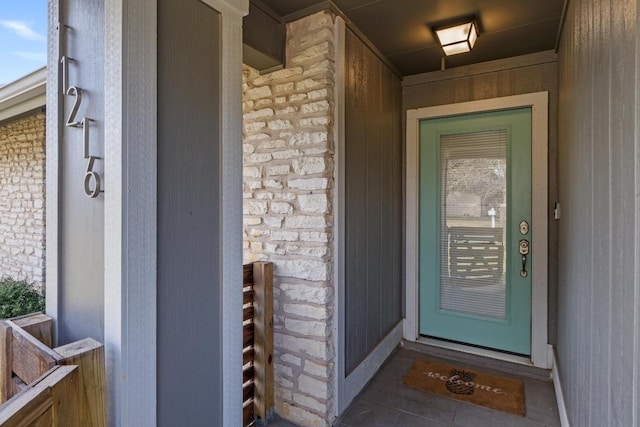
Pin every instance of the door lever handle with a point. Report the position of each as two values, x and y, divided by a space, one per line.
524 251
523 272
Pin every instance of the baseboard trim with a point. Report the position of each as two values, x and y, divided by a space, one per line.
562 409
360 376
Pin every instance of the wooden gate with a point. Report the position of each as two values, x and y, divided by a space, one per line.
63 386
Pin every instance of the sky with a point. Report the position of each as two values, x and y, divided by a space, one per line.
23 38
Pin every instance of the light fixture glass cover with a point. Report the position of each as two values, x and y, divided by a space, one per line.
458 38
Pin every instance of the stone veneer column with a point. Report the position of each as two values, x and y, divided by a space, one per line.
288 212
22 193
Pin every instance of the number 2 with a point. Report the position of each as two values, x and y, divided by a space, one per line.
77 93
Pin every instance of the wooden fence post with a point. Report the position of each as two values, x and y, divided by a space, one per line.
263 339
88 355
38 325
6 362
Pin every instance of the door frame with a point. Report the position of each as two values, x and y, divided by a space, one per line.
539 103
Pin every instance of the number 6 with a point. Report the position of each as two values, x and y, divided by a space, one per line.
89 174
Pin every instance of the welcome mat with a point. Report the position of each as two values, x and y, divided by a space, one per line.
469 385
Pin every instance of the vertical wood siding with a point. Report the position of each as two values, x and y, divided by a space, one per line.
189 335
515 76
373 190
81 220
598 281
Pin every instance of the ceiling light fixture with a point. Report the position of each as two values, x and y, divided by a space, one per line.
458 38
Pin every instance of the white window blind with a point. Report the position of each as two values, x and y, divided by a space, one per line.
473 210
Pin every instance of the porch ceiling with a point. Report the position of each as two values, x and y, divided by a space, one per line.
400 28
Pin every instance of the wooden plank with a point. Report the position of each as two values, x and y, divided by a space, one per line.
31 358
248 374
26 408
39 325
44 420
248 356
88 355
263 339
6 362
247 313
247 414
247 275
247 297
50 401
248 391
248 334
17 386
68 408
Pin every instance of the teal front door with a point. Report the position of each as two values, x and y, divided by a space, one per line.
475 229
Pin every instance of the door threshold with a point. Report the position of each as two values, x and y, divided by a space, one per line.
492 359
484 352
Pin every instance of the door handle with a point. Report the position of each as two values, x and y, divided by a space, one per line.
524 251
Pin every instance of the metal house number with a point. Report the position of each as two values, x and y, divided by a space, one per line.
92 181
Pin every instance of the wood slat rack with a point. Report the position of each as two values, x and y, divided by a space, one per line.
257 357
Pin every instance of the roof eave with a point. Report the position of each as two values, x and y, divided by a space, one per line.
23 95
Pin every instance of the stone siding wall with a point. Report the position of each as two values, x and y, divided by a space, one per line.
288 211
22 198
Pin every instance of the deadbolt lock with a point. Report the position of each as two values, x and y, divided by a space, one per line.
524 227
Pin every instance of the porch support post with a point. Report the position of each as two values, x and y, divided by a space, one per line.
52 179
130 210
230 185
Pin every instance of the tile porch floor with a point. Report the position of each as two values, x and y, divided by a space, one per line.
387 402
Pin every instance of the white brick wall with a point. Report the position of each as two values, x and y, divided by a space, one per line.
288 191
22 196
